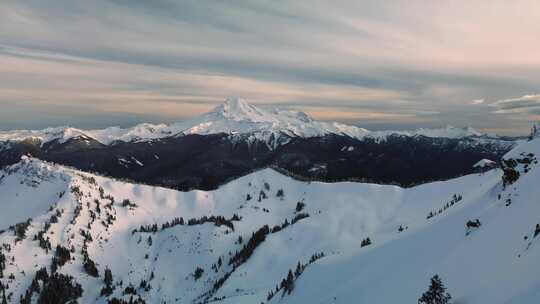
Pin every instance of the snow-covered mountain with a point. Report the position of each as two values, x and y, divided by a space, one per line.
235 117
346 242
237 138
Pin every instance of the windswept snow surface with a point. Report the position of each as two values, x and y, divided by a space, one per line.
235 117
496 263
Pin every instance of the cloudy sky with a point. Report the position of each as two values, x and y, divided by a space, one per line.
376 64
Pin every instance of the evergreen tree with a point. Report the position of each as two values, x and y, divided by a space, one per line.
436 293
2 263
3 290
107 290
108 277
365 242
290 282
298 270
197 274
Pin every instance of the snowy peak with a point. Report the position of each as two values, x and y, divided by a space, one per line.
239 110
33 169
236 117
46 135
449 132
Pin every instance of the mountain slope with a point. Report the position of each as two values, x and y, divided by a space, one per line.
108 224
496 263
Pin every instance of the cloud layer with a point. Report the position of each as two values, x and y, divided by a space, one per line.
527 104
403 64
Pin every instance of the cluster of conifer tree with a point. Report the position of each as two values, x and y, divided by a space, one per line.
219 263
132 300
45 243
262 195
247 250
216 220
20 230
128 203
510 173
55 288
144 285
61 256
88 264
76 213
107 290
243 255
365 242
130 290
3 260
285 224
3 299
298 217
287 284
455 199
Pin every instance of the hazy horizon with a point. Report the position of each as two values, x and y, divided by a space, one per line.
125 120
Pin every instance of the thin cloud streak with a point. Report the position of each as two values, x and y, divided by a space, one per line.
527 104
418 62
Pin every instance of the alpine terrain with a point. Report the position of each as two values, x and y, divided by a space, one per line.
266 237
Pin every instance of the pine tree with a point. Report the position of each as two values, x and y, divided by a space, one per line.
107 290
108 277
436 293
3 290
298 270
289 285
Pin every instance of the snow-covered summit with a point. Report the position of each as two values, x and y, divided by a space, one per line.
236 117
239 110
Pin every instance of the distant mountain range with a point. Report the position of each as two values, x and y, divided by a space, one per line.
236 138
233 117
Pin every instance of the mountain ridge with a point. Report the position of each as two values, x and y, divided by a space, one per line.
236 117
